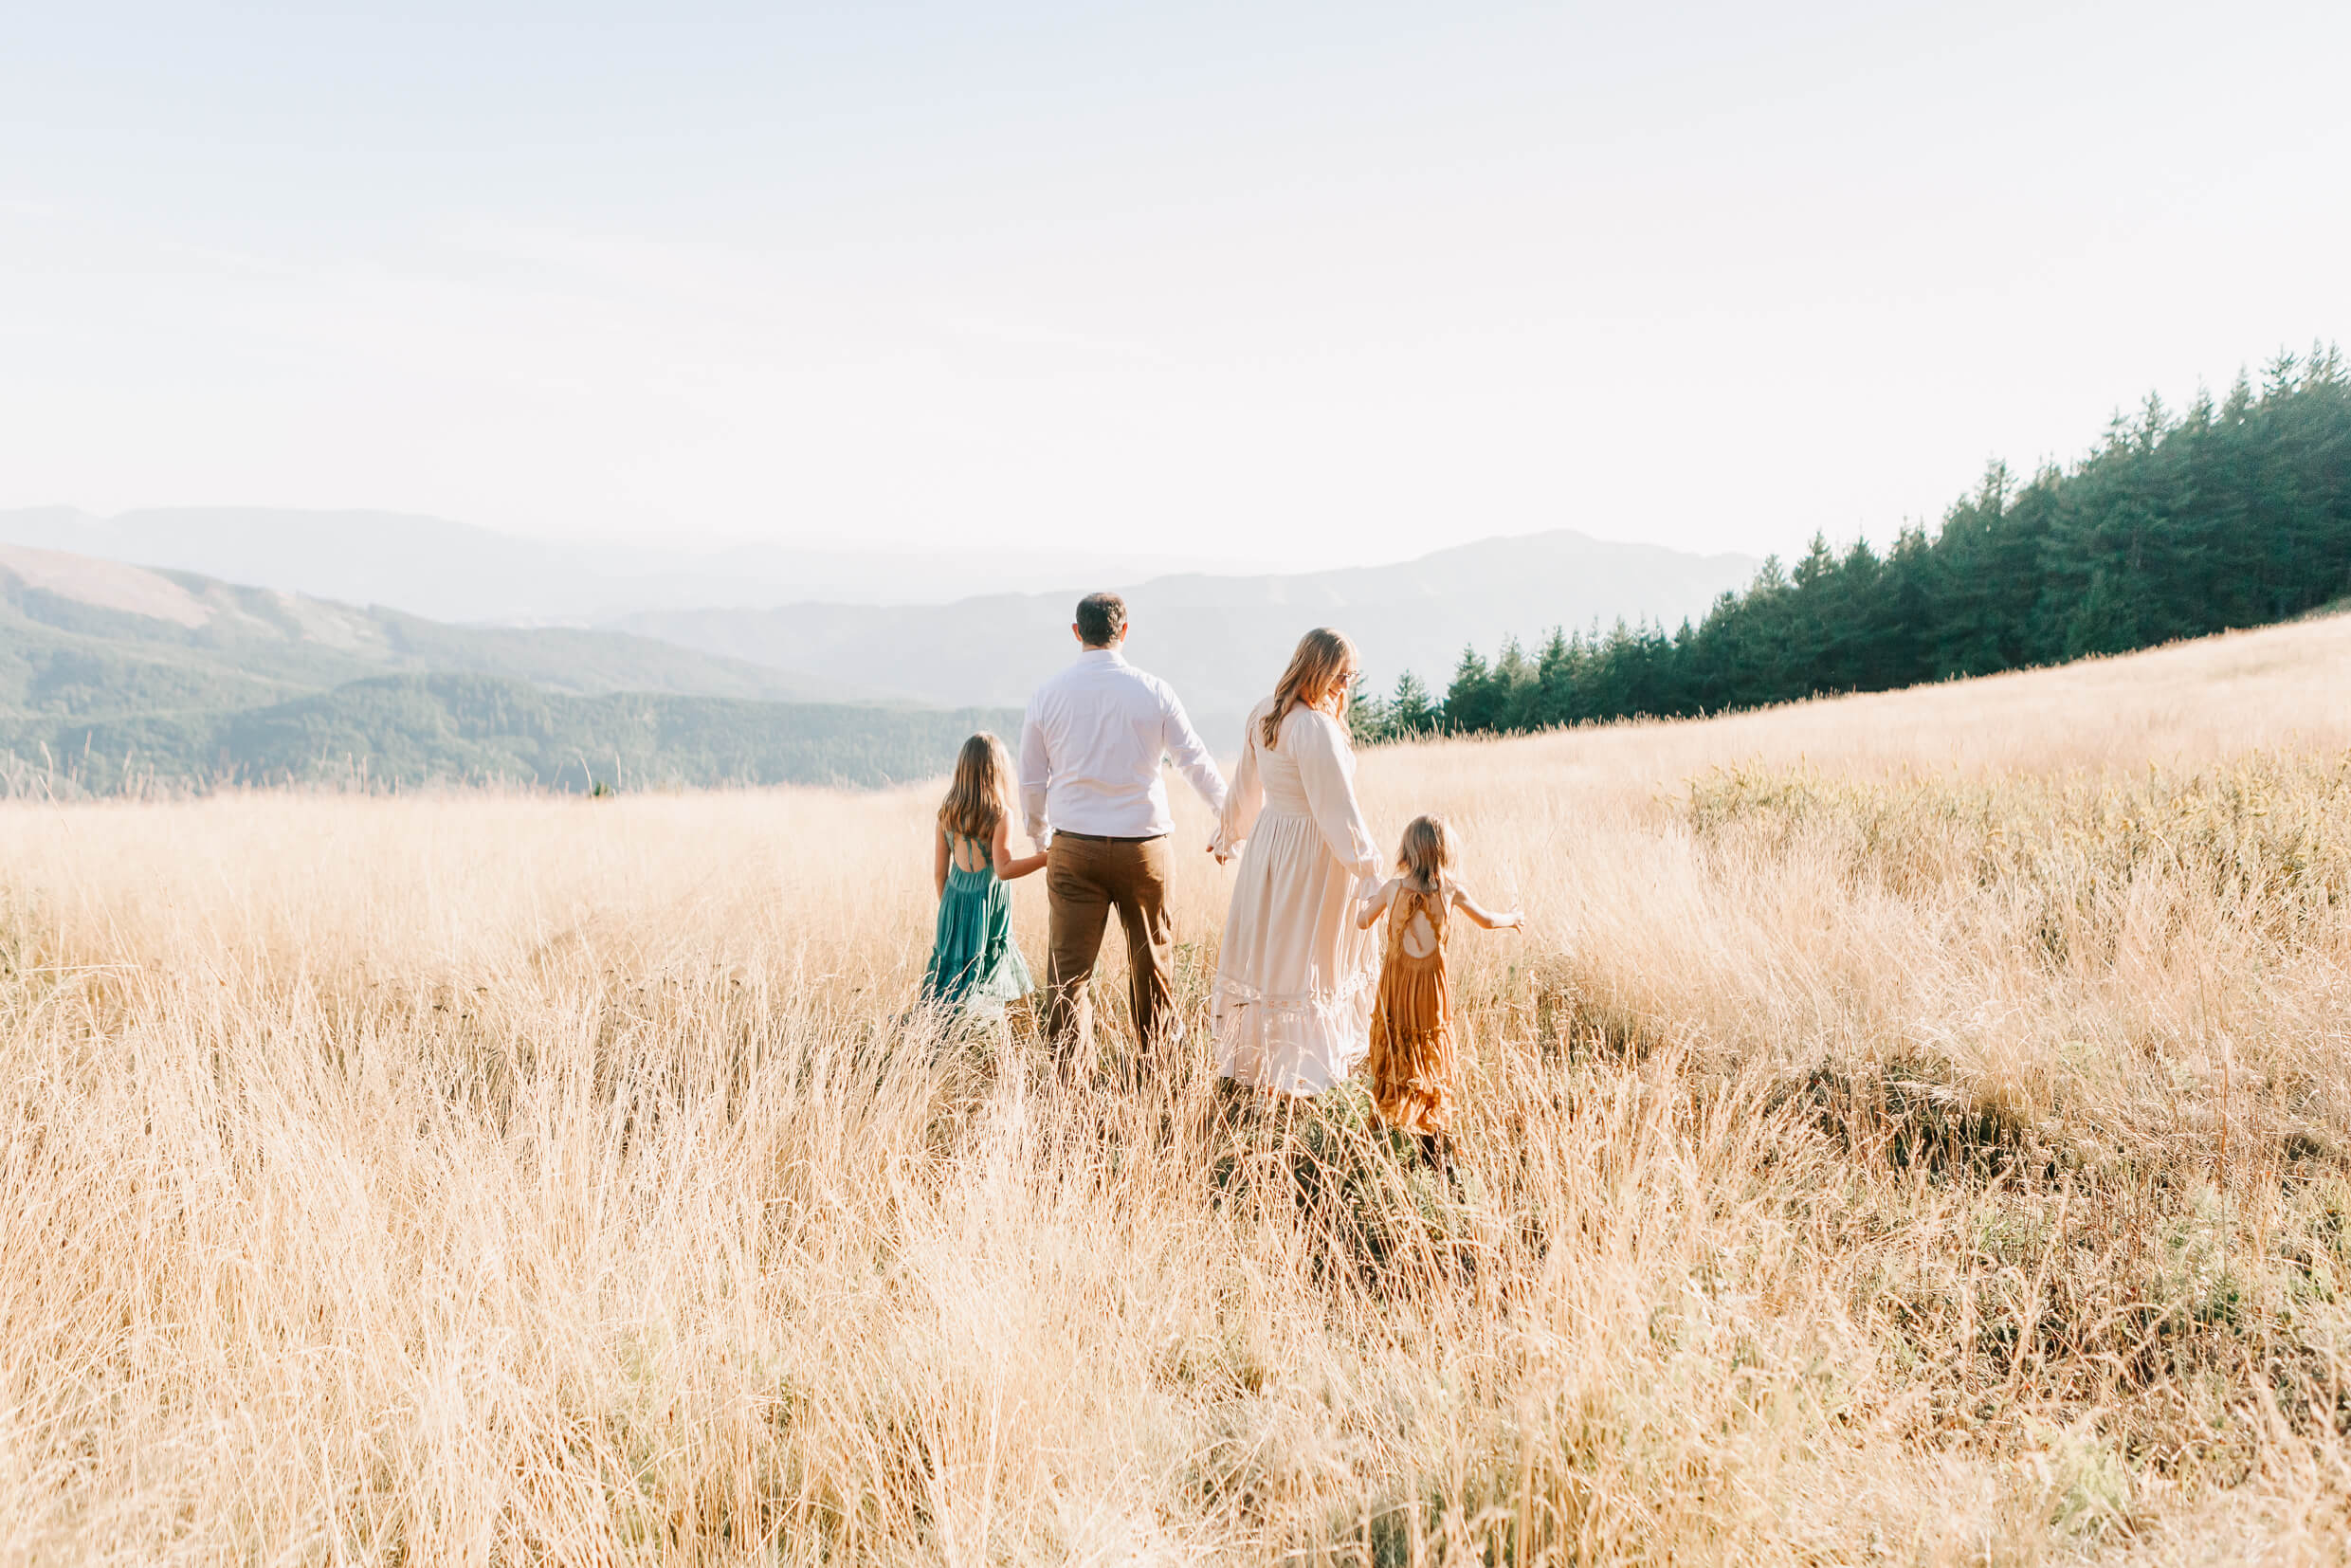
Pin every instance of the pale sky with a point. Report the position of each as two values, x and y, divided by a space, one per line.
1254 282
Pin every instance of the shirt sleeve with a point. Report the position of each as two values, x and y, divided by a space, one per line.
1036 772
1192 758
1245 798
1326 768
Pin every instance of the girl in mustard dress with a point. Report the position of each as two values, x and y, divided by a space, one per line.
1412 1047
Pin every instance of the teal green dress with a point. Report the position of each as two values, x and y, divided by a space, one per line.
974 962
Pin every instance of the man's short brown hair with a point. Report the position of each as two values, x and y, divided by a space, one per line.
1102 619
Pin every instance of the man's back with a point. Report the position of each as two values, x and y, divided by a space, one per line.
1090 782
1090 750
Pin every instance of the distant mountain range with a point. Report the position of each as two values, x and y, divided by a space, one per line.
1223 641
204 678
114 676
455 572
79 634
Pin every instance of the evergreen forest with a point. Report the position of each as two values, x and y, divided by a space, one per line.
2179 525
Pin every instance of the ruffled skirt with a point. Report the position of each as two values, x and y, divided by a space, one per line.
974 963
1411 1061
1292 1007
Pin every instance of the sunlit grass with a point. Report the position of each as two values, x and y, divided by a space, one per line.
1913 1129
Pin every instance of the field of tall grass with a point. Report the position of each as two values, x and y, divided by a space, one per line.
1914 1129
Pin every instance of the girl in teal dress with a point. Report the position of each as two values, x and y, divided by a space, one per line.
975 964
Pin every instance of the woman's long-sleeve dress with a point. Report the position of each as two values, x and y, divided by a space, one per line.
1295 984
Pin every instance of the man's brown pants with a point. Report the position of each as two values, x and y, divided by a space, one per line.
1085 879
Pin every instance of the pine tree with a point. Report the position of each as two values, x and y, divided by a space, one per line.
1470 704
1410 712
1369 723
2176 525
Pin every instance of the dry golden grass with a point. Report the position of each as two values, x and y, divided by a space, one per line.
1913 1130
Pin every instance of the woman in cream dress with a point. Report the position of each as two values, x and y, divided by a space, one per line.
1294 986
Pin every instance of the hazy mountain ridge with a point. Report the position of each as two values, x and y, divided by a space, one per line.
457 571
89 642
60 612
115 676
1222 641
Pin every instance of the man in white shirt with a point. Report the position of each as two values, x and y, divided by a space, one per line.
1090 750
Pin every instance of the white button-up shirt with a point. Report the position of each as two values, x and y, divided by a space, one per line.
1090 749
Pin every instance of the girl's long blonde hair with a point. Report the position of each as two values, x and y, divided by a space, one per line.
981 793
1323 658
1425 856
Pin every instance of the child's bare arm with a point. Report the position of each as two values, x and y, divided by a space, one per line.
1371 908
1508 919
1009 868
939 865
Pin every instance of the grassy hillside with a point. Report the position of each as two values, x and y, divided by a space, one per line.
117 677
401 730
1914 1128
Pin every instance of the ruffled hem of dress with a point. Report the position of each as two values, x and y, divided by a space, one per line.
986 993
1004 988
1299 1044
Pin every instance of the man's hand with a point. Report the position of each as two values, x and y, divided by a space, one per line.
1224 857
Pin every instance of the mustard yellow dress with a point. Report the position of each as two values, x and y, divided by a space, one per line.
1411 1055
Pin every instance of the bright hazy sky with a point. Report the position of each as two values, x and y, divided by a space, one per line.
1250 282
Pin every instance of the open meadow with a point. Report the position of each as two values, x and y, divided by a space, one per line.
1914 1129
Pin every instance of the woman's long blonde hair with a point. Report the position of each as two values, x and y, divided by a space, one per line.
981 793
1323 659
1425 855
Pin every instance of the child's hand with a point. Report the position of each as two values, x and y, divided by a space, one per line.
1512 920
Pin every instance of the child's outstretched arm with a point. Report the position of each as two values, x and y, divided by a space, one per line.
1369 910
1009 868
938 862
1508 919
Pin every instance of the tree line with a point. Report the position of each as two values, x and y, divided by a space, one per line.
405 731
2234 514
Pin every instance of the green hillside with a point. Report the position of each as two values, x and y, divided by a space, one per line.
402 731
120 677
